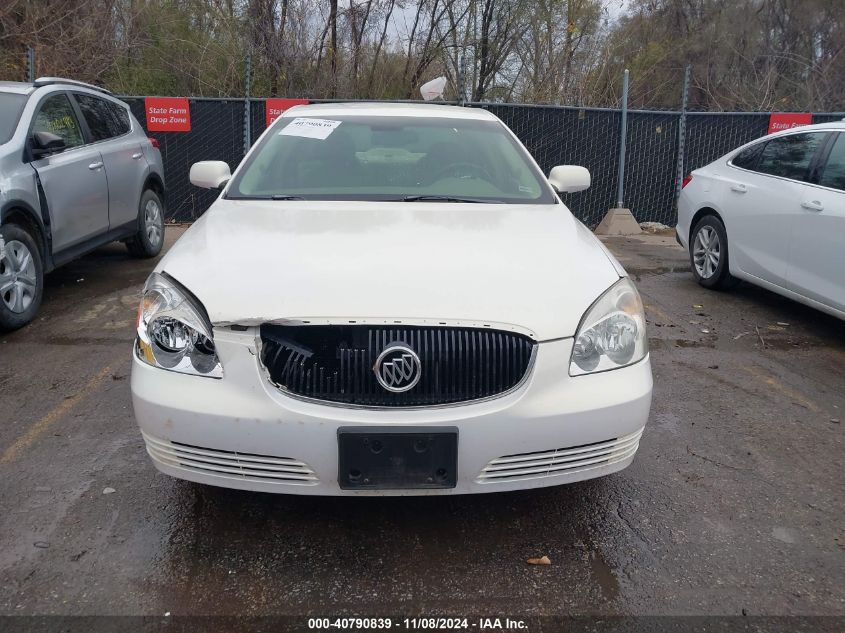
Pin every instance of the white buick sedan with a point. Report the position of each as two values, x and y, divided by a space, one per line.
389 300
772 213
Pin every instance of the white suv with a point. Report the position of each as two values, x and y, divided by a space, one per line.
76 171
773 213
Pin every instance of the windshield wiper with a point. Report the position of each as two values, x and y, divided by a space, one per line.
282 196
424 198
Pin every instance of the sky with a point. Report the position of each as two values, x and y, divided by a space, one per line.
403 18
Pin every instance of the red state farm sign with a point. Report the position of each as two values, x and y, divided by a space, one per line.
787 120
273 108
168 114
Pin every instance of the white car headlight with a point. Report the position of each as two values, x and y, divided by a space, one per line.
612 332
173 330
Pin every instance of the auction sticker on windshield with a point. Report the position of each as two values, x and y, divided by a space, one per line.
310 128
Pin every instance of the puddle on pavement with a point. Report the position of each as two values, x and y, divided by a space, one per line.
603 575
243 548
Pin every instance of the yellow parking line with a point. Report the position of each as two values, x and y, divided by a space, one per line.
658 312
793 394
37 429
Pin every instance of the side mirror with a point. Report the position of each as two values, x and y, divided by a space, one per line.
569 178
210 174
46 143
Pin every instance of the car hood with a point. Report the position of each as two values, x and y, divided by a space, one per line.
531 266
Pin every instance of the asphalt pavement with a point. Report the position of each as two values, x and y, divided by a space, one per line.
734 504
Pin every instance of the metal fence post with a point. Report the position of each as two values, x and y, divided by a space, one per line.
30 64
462 78
620 198
247 117
682 133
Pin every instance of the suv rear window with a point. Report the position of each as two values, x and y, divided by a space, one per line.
102 117
121 114
11 106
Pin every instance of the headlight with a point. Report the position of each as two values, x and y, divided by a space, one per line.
612 332
173 330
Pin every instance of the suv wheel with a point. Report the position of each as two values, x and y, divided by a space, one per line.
149 239
709 254
21 278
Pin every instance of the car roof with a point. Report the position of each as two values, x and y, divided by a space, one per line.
832 125
26 88
17 87
422 110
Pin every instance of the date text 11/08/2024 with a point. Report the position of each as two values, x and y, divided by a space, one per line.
420 623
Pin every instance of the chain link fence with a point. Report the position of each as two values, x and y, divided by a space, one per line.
555 135
217 133
558 136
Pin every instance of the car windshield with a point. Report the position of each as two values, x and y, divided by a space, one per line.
352 157
11 106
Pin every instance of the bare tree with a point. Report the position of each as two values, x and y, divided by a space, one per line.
333 49
388 16
745 54
503 22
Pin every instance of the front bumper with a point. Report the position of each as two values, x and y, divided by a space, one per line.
242 432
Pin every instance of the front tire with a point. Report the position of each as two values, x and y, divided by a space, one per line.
149 239
21 278
709 254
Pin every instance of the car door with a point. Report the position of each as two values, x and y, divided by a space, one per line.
122 154
74 181
817 254
760 198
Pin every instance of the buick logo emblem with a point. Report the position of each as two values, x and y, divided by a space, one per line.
398 368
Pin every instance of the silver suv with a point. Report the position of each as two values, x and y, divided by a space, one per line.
76 171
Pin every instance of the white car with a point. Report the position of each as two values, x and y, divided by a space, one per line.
390 300
773 213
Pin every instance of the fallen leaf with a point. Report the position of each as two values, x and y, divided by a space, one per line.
697 306
543 560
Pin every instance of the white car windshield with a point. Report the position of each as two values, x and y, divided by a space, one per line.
391 158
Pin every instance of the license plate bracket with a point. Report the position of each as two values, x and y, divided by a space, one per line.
371 458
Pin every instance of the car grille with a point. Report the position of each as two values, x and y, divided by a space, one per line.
336 363
561 461
230 464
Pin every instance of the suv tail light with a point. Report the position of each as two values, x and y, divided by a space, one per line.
687 179
156 145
